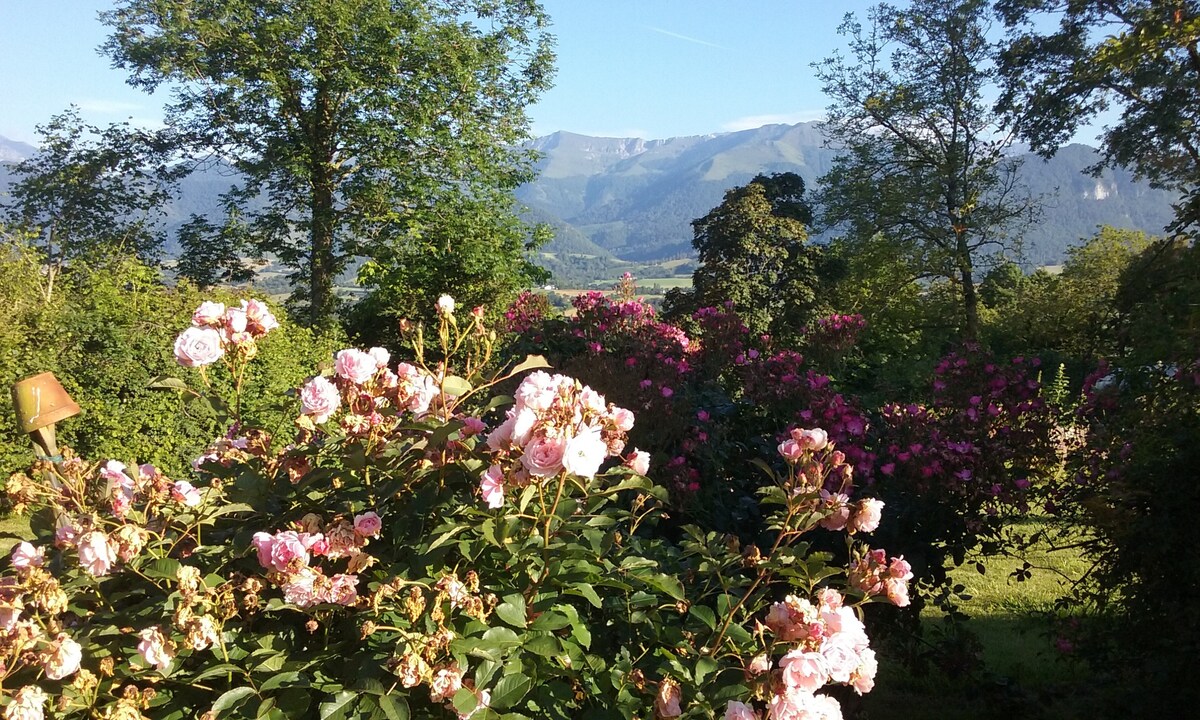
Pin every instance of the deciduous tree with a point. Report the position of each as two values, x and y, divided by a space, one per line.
349 117
924 163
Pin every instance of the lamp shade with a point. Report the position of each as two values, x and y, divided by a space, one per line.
40 401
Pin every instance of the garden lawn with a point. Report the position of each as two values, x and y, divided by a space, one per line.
1021 674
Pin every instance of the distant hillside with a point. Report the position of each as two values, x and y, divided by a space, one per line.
637 198
611 199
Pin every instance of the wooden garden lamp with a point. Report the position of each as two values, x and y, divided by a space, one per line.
40 402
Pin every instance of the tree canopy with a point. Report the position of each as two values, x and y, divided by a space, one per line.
924 163
352 119
1138 57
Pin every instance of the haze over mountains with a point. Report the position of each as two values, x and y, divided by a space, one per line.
635 199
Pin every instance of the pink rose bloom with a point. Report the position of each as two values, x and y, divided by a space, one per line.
355 366
524 420
263 542
29 703
759 665
260 320
473 426
899 568
843 625
815 439
638 461
446 681
63 657
301 588
64 536
368 524
155 648
829 599
381 355
543 456
288 548
804 670
584 453
208 314
790 450
197 347
236 321
591 400
840 658
501 437
863 677
792 704
622 418
184 492
491 485
837 505
866 519
25 555
735 710
666 705
96 553
114 472
537 391
897 591
343 589
320 399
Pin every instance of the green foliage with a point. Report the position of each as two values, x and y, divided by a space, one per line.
924 162
89 193
753 253
355 119
354 572
1135 56
106 333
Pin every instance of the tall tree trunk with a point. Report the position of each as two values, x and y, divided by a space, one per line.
970 299
323 261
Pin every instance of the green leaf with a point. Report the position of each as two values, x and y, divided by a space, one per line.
232 699
550 621
704 666
288 679
393 707
512 610
166 382
663 583
167 568
586 592
704 615
543 645
338 705
455 386
531 362
510 690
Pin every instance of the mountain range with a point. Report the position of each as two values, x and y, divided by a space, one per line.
631 199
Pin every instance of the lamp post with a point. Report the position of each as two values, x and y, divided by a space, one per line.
39 402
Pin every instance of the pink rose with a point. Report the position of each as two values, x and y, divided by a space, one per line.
804 670
381 356
840 659
64 536
790 450
794 704
501 437
524 420
198 346
259 319
899 568
537 391
263 542
638 461
543 456
96 553
666 705
622 418
815 439
63 657
867 518
29 703
735 710
367 525
320 399
863 677
759 665
829 599
491 485
301 588
837 505
184 492
208 314
584 453
155 648
343 589
355 366
473 426
236 321
897 591
25 555
287 549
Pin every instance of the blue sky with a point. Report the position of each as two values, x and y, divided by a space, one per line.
646 68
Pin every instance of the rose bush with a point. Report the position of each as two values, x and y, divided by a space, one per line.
412 548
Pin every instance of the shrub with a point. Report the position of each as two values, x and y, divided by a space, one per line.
394 558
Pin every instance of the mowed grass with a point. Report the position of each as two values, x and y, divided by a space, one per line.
13 529
665 282
1018 673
